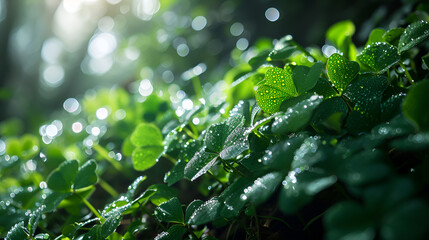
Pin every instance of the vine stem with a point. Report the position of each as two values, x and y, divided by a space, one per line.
278 219
91 208
109 189
217 179
407 73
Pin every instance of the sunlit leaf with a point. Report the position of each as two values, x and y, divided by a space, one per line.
86 175
341 71
17 232
170 211
392 36
376 35
413 35
145 158
379 56
306 78
146 135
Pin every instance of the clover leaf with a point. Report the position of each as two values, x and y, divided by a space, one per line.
341 71
413 35
379 56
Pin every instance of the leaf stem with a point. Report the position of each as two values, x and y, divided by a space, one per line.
313 220
197 86
407 73
278 219
105 154
109 189
217 179
302 49
170 158
91 208
190 133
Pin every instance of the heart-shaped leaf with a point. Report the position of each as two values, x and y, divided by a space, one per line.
146 135
305 78
61 179
297 116
376 35
379 56
206 212
341 71
415 105
414 34
277 86
170 211
324 88
145 158
392 36
86 175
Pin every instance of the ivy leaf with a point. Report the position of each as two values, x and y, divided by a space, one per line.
61 179
305 78
86 175
297 116
414 34
17 232
379 56
205 213
145 158
349 220
415 105
277 86
170 211
341 71
175 232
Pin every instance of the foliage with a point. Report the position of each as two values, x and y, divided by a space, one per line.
332 145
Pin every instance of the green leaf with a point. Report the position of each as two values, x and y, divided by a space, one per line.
392 36
349 220
425 60
33 221
110 225
338 32
296 117
376 35
408 221
205 213
86 175
162 193
300 186
200 164
324 88
415 105
145 158
94 234
324 116
42 236
379 56
281 54
146 135
191 208
235 144
175 232
414 34
53 199
217 134
170 211
413 142
176 173
280 156
262 188
341 71
277 86
61 179
305 78
17 232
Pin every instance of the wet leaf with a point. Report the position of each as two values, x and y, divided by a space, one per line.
379 56
175 232
176 173
324 88
200 164
376 35
146 135
392 36
297 117
205 213
145 158
162 193
305 78
415 105
235 144
17 232
413 142
110 225
349 220
191 208
262 188
61 179
280 155
413 35
322 119
281 54
341 71
33 221
170 211
86 175
277 86
53 199
217 134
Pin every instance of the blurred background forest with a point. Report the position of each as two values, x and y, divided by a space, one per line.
52 50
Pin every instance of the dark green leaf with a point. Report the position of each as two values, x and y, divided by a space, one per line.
297 117
414 34
53 199
235 144
392 36
415 105
262 188
94 234
176 173
379 56
425 60
33 221
324 88
133 186
217 134
349 220
145 158
306 78
413 142
110 225
146 135
324 118
277 86
61 179
259 59
205 213
191 208
175 232
280 155
200 164
282 54
86 175
162 193
17 232
341 71
170 211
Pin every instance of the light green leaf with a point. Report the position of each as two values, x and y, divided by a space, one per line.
146 135
86 175
61 179
341 71
415 105
379 56
145 158
305 78
297 116
277 86
170 211
162 193
376 35
340 34
281 54
414 34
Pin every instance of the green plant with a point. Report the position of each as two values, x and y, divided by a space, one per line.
330 144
